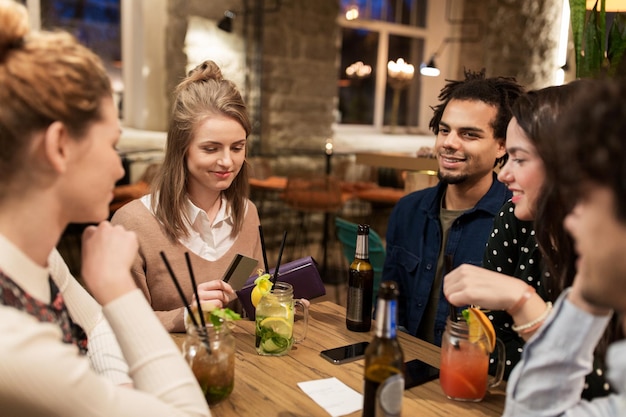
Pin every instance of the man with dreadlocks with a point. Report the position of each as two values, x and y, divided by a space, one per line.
452 220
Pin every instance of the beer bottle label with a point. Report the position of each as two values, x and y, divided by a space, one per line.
389 396
355 305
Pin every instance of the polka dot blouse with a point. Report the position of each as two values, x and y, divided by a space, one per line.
512 250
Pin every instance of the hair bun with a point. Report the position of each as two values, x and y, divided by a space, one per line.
208 70
13 26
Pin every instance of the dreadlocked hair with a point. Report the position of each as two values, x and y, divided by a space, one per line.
499 92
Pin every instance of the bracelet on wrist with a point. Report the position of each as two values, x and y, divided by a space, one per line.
530 329
522 300
534 324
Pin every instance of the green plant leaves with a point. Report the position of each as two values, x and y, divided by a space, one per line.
577 17
593 50
617 44
597 53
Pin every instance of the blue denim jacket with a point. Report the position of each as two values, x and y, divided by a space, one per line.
413 243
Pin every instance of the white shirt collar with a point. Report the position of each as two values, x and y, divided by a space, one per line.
209 241
223 214
192 211
31 277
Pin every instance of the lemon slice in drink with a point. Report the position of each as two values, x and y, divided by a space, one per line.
278 325
274 345
480 324
277 334
262 286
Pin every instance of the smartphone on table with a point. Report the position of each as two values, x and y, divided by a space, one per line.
344 354
417 372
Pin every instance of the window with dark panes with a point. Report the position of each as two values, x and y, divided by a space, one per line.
95 23
356 88
385 30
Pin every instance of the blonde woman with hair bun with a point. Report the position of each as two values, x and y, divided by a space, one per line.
199 201
58 165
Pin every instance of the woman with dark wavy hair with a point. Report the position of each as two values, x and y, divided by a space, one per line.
199 202
589 173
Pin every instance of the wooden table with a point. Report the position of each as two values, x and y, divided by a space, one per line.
266 386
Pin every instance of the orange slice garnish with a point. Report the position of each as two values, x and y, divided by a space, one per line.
479 325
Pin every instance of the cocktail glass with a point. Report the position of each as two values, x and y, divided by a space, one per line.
274 318
214 369
465 363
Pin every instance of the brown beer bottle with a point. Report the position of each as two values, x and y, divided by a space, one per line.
360 285
384 360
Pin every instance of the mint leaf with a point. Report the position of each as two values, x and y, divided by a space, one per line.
466 314
221 315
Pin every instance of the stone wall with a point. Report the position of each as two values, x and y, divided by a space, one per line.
291 87
520 38
299 75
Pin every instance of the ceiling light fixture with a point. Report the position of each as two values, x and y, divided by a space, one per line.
226 23
429 69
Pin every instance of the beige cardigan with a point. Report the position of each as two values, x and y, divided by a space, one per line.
151 275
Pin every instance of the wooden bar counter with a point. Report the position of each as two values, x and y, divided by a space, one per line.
266 386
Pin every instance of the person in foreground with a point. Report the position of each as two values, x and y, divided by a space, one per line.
103 351
199 201
58 131
549 379
528 230
454 218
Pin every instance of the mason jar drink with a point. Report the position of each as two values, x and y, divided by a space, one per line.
214 369
274 318
465 363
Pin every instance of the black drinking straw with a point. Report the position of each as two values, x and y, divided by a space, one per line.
280 255
267 267
447 264
195 289
182 297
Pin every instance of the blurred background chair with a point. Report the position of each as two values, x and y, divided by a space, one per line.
265 187
309 195
346 233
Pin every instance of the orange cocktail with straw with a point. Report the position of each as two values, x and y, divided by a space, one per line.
465 350
463 373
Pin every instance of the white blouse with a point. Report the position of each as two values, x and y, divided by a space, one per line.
209 241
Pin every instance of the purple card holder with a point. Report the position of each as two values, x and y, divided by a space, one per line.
303 276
